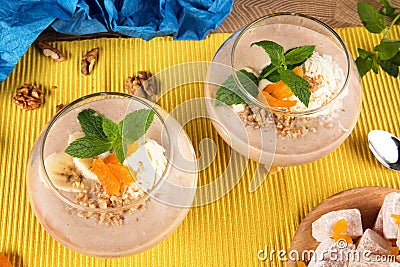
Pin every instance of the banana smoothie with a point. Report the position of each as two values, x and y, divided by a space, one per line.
276 121
105 196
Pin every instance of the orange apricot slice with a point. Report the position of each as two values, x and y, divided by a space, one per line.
301 264
106 177
278 90
111 159
4 261
298 71
121 172
275 102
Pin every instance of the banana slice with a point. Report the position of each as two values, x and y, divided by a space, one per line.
83 165
63 173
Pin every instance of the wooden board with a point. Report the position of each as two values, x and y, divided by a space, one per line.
367 199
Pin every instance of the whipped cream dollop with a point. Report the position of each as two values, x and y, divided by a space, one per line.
326 78
148 161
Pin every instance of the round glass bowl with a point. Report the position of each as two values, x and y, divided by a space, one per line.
317 131
146 221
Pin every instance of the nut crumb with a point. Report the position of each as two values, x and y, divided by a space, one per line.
59 107
51 52
88 61
29 97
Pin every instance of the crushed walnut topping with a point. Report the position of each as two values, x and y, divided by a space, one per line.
286 126
314 81
29 97
140 84
97 197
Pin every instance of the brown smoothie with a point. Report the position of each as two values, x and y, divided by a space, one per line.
330 126
142 228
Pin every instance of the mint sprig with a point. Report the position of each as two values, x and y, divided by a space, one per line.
386 53
103 134
280 68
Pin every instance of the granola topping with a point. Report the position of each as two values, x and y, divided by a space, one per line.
97 197
325 77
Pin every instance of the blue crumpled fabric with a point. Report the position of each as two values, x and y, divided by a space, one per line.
22 21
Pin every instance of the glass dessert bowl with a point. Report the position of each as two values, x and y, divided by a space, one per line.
284 90
100 175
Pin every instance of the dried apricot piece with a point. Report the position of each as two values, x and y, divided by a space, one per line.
338 237
275 102
338 231
121 172
298 71
340 226
396 218
301 264
111 159
106 177
4 261
394 251
285 92
278 90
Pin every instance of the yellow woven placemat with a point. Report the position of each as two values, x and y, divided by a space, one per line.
228 232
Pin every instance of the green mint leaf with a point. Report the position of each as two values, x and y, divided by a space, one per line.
374 65
229 92
396 59
364 54
110 129
387 9
136 124
366 61
120 149
387 49
274 76
363 66
88 147
91 123
372 20
299 86
299 54
274 51
390 68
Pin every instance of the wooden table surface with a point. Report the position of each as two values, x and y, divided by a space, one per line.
336 13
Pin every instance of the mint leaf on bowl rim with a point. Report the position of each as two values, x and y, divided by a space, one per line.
229 92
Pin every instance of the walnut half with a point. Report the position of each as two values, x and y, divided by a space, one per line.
29 97
51 52
140 84
88 61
